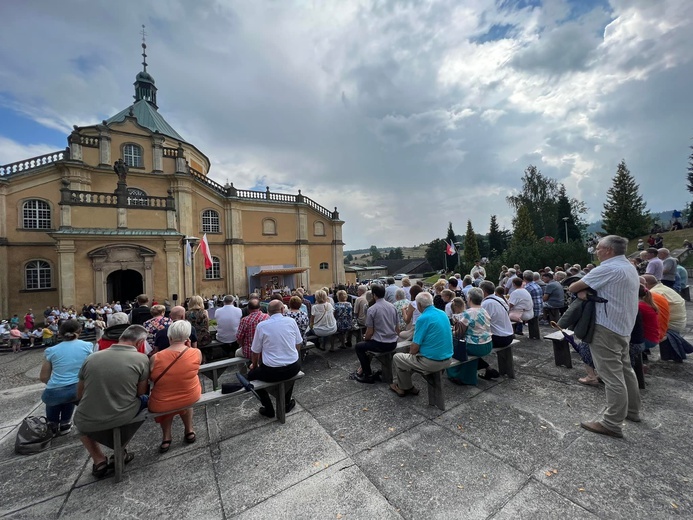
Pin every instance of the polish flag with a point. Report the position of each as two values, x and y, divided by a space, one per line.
450 249
204 247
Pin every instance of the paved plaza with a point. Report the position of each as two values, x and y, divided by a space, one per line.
507 449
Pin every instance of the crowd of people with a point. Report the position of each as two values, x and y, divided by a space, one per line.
154 345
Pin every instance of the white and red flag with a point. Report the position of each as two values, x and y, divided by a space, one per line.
204 247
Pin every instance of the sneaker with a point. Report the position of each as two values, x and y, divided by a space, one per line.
362 378
64 429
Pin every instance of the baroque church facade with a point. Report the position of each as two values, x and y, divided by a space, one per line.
108 218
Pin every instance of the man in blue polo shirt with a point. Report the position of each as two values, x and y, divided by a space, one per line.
430 350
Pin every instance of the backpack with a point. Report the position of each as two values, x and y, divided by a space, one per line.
34 436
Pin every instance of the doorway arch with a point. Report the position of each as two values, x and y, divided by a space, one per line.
123 285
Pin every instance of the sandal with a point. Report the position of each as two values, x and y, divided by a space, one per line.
587 381
127 459
164 446
190 437
99 470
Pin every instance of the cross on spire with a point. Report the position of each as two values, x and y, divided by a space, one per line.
144 49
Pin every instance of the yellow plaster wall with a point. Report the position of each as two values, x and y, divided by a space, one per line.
269 255
252 226
37 188
91 156
201 202
21 300
146 219
94 217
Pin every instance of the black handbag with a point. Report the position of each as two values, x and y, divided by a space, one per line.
459 347
34 435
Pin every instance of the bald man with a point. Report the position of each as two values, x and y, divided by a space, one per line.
161 338
275 354
669 264
677 305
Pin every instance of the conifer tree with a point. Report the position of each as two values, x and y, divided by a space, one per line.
495 240
625 212
524 231
451 239
471 248
690 172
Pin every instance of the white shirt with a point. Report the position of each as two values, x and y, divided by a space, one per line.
522 301
118 307
228 318
616 280
500 321
677 307
277 339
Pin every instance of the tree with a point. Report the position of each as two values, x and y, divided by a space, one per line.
690 172
570 210
375 254
496 244
524 231
538 196
395 254
625 212
349 258
435 253
451 238
471 248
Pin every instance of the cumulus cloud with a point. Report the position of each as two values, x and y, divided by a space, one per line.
404 115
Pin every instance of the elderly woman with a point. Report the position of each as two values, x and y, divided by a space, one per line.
158 322
199 319
322 321
111 334
475 327
406 287
343 314
60 372
173 372
410 314
297 313
438 289
401 303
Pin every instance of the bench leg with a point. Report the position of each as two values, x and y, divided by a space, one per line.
561 353
506 365
386 362
215 379
118 454
533 328
639 370
435 389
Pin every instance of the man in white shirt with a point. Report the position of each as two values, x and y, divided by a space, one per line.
275 355
478 268
616 281
228 318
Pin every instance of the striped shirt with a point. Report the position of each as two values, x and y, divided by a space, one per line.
616 280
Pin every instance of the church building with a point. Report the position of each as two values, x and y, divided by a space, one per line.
110 217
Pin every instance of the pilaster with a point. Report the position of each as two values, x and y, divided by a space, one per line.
174 252
158 153
66 269
104 146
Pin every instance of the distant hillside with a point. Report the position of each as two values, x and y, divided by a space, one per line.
663 217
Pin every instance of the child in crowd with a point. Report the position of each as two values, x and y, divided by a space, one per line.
47 335
15 339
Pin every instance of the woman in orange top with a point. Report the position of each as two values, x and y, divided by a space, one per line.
662 314
174 372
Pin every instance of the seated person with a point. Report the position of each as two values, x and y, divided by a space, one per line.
322 320
410 314
520 304
299 315
112 333
382 328
430 350
174 374
112 390
447 296
247 326
158 322
60 372
161 338
475 326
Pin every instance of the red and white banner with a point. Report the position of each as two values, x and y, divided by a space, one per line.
204 247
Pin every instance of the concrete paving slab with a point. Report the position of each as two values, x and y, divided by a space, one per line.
151 492
17 401
29 479
366 419
536 502
340 491
522 439
259 464
47 510
429 472
323 385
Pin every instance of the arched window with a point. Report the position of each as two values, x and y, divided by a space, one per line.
38 275
36 214
137 197
132 155
214 272
269 226
319 229
210 221
324 265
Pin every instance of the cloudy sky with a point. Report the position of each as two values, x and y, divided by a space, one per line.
404 114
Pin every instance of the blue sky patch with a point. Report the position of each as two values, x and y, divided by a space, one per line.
24 130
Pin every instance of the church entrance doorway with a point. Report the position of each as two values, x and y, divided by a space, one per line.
124 284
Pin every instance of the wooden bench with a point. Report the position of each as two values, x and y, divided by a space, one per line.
355 330
218 367
686 293
561 348
434 380
277 390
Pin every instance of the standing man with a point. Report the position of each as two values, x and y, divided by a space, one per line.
142 312
247 326
382 329
669 264
430 350
228 319
616 280
478 268
391 291
361 307
275 354
112 387
655 266
537 295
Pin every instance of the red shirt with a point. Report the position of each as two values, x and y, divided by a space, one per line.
650 322
246 331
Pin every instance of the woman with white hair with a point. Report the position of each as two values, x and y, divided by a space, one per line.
322 321
111 334
173 372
